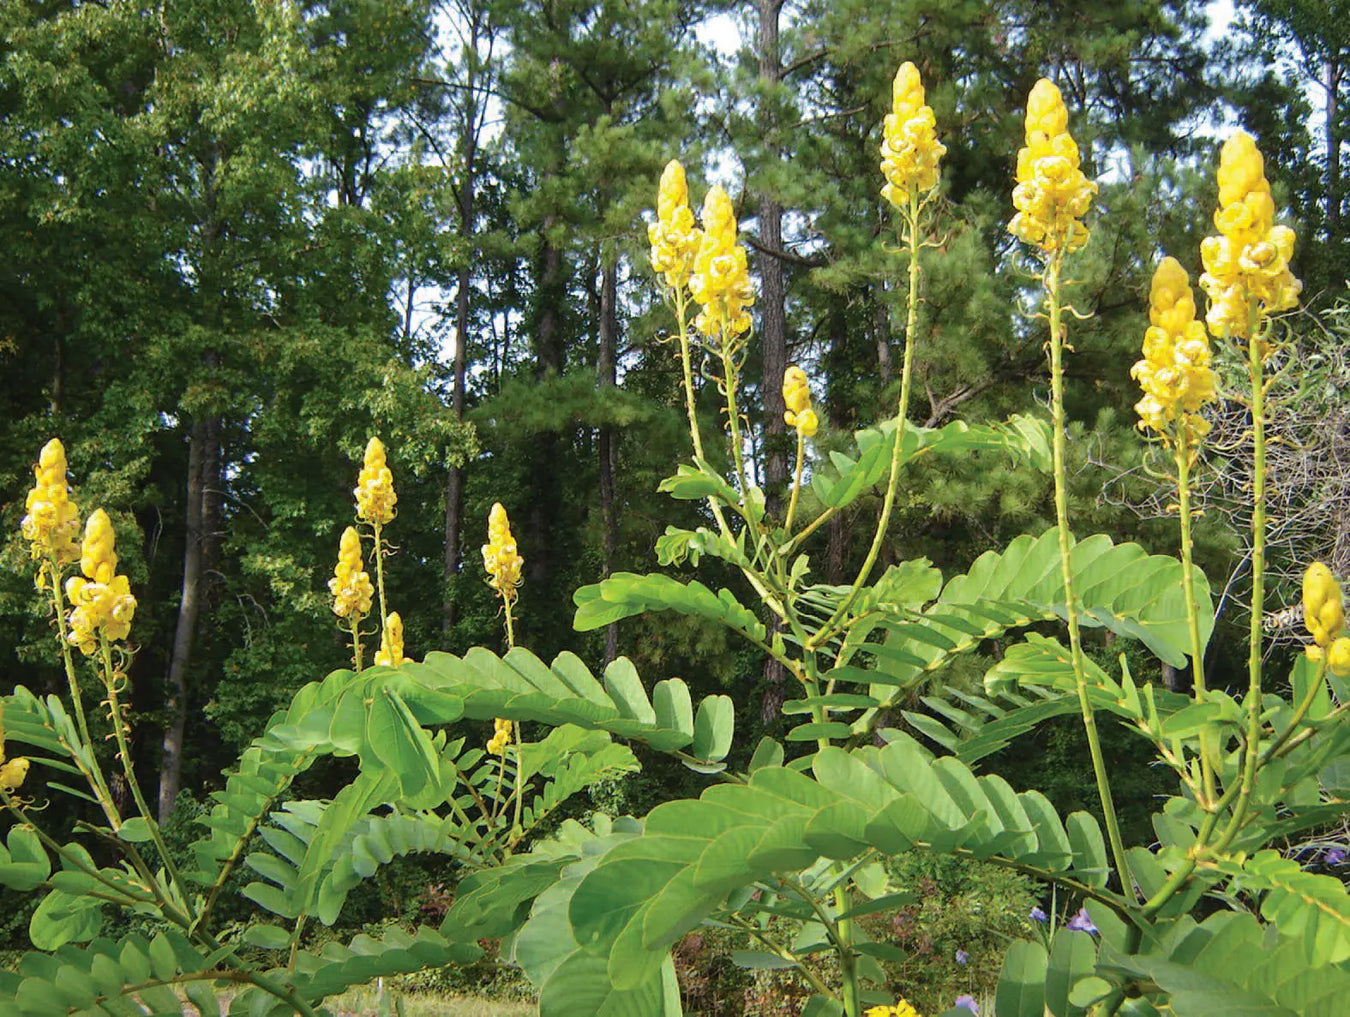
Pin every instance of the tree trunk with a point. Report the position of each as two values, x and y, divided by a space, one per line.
772 296
1334 71
881 317
608 445
203 469
544 468
454 484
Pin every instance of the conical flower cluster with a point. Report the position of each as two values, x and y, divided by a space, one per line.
721 279
350 586
500 559
902 1008
375 497
797 399
391 642
1175 373
101 598
1247 264
674 236
1324 615
52 522
501 736
1052 193
910 150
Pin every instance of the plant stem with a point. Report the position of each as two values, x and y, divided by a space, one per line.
848 962
691 408
379 574
730 375
110 678
1251 751
356 640
902 410
1052 289
1183 461
796 483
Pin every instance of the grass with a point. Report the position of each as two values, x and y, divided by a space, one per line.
367 1002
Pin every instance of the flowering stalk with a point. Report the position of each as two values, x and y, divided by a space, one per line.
1051 197
800 416
1207 751
375 501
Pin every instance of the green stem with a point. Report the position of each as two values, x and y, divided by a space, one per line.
901 412
379 575
796 483
730 377
691 408
1183 462
1052 287
356 640
1251 751
110 678
510 628
778 950
848 961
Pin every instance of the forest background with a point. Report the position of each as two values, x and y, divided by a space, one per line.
241 237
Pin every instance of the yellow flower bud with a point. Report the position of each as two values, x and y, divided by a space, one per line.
1338 656
500 559
673 237
391 642
350 586
1175 373
721 275
1323 611
51 523
12 774
501 736
1247 265
375 497
910 150
101 599
1052 192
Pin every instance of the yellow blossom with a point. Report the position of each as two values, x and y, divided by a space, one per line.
797 399
910 150
902 1008
391 642
721 277
1323 610
350 586
1247 264
501 736
1175 373
674 238
52 522
101 599
12 774
1052 193
375 497
500 559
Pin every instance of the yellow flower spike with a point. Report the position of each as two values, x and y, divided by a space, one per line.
1247 264
721 276
350 586
1323 609
500 559
674 237
391 642
51 523
501 736
797 399
1052 193
101 599
902 1008
910 150
1175 373
12 774
375 497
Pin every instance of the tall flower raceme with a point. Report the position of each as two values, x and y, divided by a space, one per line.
800 416
351 588
51 523
375 501
721 275
503 563
102 600
674 237
910 150
1175 372
1324 616
390 653
1052 193
1247 272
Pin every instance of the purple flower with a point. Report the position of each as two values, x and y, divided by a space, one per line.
1082 922
1037 915
969 1003
1334 856
962 957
